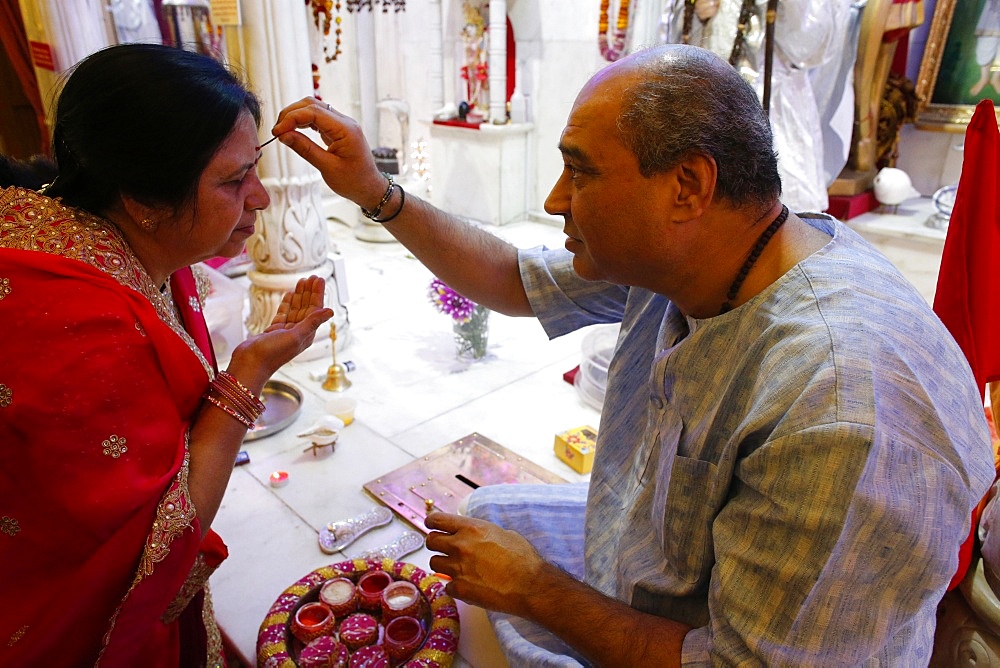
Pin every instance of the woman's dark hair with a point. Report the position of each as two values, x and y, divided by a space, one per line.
142 120
32 173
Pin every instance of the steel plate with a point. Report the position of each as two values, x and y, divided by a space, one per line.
282 403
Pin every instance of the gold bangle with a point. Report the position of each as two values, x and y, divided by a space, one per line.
226 378
241 404
243 401
245 421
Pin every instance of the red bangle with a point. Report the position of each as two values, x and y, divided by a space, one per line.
244 420
235 399
225 377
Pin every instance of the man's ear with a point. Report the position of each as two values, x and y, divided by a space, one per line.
696 176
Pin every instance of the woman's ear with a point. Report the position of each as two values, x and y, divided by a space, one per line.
696 175
144 216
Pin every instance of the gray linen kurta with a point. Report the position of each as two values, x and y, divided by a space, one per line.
792 478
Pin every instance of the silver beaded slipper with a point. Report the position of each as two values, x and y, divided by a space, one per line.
405 543
335 536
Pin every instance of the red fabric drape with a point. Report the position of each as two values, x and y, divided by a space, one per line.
511 60
15 43
964 298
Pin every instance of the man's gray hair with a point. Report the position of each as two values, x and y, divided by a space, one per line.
688 100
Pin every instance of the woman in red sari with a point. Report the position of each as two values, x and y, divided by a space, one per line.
117 433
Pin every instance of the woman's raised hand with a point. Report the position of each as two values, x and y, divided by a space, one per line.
292 330
302 305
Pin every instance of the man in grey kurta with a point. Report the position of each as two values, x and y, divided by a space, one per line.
801 455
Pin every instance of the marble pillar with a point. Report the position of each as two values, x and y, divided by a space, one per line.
292 241
498 61
367 74
435 55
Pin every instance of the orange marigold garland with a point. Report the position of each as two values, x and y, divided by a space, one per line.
616 49
323 19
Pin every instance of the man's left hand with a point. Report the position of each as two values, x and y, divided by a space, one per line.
488 566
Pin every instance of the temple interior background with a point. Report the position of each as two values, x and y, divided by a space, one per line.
464 102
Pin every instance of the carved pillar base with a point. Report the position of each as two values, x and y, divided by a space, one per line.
966 636
292 243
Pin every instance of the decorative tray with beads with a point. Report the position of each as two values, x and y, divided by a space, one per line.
363 613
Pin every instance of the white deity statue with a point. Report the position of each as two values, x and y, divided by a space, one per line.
475 68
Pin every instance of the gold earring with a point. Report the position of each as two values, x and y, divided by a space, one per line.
147 224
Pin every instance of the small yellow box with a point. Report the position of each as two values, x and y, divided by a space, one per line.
576 447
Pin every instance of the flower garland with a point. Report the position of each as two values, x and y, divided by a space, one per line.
358 5
688 21
324 9
326 13
740 43
617 49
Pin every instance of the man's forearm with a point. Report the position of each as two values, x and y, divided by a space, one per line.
474 262
605 630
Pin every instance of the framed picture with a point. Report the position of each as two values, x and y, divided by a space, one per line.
961 64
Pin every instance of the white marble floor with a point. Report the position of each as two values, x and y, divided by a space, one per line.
413 397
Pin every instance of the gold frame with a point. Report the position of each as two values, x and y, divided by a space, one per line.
931 116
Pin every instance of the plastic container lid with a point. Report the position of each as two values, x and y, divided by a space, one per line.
592 380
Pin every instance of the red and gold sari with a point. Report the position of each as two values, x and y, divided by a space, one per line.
101 555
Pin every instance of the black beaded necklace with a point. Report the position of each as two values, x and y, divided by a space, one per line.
755 252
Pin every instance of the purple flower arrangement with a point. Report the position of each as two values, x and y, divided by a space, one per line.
470 321
448 301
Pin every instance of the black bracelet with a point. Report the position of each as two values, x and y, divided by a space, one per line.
377 211
402 201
